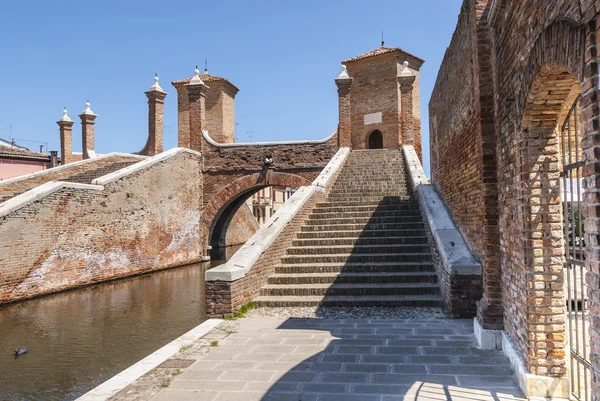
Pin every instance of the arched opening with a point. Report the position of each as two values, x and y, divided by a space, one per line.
220 212
376 140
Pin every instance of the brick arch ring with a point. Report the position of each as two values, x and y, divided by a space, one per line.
222 206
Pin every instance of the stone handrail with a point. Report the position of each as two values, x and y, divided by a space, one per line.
68 166
251 144
455 254
48 188
242 261
147 162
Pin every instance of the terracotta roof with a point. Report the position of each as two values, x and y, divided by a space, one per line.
206 78
22 153
379 51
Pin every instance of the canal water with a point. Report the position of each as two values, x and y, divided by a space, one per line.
79 339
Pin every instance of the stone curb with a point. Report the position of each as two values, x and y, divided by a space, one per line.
67 166
140 368
147 162
40 192
253 144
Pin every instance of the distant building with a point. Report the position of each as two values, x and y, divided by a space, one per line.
267 201
17 160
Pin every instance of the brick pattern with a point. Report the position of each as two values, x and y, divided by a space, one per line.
145 221
83 174
156 105
521 61
222 297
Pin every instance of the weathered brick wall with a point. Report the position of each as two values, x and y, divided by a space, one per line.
83 173
223 297
144 221
517 63
243 225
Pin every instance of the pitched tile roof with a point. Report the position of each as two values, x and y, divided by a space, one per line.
379 51
10 151
206 78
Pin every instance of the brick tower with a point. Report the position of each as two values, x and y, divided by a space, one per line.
383 99
220 108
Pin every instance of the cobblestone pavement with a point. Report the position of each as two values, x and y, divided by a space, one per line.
310 359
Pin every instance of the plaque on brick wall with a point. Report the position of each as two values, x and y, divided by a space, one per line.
373 118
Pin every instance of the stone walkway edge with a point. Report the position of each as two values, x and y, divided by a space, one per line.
140 368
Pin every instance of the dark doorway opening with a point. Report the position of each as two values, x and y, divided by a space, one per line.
376 140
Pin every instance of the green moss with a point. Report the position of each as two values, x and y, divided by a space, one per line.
240 313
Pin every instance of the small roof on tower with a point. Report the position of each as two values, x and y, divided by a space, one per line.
206 77
383 50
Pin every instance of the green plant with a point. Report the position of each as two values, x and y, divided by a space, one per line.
214 343
129 195
176 372
240 313
184 347
166 382
229 331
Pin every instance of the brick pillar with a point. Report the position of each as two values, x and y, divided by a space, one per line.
87 130
197 111
407 122
590 96
344 82
156 101
65 125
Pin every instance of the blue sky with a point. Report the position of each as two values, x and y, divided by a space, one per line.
283 56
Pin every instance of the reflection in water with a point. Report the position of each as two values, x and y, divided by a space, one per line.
227 252
79 339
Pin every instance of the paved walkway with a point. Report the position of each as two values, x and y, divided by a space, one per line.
354 359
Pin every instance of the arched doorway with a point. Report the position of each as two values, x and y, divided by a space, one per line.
376 140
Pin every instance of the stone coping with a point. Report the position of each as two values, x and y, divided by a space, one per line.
456 256
67 166
118 382
253 144
242 261
40 192
147 162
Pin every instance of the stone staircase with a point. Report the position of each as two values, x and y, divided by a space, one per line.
365 245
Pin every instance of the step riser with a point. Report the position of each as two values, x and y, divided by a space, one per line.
298 269
358 291
367 203
424 278
359 234
365 209
400 249
367 214
362 241
347 304
365 220
369 226
374 258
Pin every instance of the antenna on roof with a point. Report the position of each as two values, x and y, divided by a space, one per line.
206 66
382 38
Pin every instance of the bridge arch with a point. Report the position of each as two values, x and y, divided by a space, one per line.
222 206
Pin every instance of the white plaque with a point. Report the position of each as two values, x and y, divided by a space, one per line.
373 118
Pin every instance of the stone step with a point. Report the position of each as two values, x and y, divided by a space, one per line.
367 226
358 249
364 199
391 200
335 210
370 214
365 220
406 301
360 241
381 267
358 258
375 277
361 234
351 289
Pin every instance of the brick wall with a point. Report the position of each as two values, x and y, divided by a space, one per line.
144 221
83 173
495 157
223 297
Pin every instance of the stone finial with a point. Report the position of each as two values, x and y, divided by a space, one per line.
196 80
87 110
406 72
65 117
344 73
156 86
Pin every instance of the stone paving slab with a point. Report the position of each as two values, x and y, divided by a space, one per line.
310 359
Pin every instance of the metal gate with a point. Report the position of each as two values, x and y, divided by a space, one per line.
574 269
